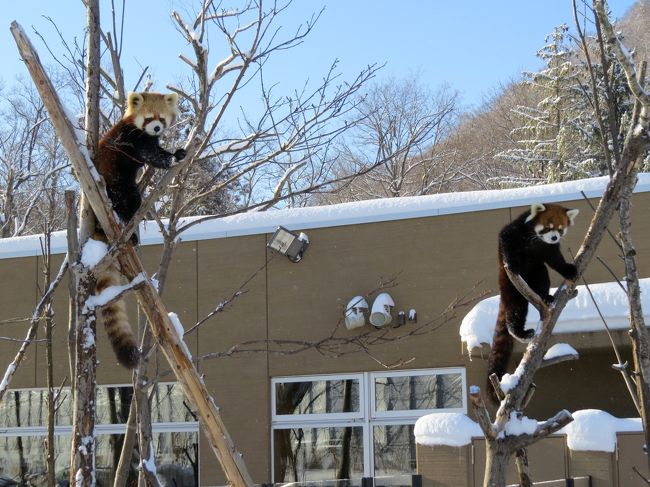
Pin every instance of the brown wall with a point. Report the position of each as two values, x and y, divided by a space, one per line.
433 261
549 459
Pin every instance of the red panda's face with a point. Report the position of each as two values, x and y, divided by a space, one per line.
551 222
152 112
152 123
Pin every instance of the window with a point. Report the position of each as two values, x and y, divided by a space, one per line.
330 427
23 430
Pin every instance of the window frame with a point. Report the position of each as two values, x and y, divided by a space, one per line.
103 429
354 416
415 413
368 417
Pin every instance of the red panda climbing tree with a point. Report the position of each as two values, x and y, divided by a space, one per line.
164 331
500 447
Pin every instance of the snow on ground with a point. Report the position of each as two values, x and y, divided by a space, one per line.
579 316
386 209
590 430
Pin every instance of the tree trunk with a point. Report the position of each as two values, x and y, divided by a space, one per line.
82 463
496 464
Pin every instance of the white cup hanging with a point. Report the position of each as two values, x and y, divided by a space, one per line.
381 308
355 313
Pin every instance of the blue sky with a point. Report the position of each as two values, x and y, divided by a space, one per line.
470 45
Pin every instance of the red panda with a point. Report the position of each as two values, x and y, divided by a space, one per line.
526 245
127 146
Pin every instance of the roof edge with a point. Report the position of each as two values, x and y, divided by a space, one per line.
368 211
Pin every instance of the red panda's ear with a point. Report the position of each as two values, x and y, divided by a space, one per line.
535 208
134 100
172 101
572 214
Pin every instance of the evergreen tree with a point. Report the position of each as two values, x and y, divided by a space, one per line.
559 139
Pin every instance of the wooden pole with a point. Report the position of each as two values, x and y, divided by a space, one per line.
164 331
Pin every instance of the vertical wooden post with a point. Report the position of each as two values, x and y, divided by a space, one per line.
82 462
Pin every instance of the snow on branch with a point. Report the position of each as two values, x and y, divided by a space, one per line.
114 293
623 56
560 352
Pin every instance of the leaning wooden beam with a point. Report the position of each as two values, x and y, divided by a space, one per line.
170 343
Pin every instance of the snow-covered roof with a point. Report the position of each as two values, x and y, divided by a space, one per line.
590 430
256 222
580 314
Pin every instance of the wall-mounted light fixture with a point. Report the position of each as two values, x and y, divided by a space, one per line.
288 243
381 308
355 313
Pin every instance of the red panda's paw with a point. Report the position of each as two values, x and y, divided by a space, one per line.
570 272
523 336
180 154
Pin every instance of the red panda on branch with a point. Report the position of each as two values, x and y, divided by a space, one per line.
127 146
526 245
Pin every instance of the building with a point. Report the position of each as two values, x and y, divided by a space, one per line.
297 415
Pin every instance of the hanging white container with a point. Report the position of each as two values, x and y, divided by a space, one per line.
355 313
381 309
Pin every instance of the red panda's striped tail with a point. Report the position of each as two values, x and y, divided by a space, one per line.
502 345
116 323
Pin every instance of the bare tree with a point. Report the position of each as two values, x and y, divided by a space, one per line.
403 124
634 149
33 165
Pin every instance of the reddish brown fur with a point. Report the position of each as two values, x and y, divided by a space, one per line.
107 156
123 150
116 322
555 215
527 255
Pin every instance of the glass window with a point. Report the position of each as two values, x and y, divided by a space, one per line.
356 425
28 407
394 449
168 405
113 404
313 454
418 392
22 459
327 396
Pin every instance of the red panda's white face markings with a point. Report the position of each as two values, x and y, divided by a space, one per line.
153 124
551 222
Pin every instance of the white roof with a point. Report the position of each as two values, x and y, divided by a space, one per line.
579 316
369 211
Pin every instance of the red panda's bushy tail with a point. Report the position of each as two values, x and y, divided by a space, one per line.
502 345
116 322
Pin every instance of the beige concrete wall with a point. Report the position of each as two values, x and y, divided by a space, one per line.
240 383
433 261
549 459
18 293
